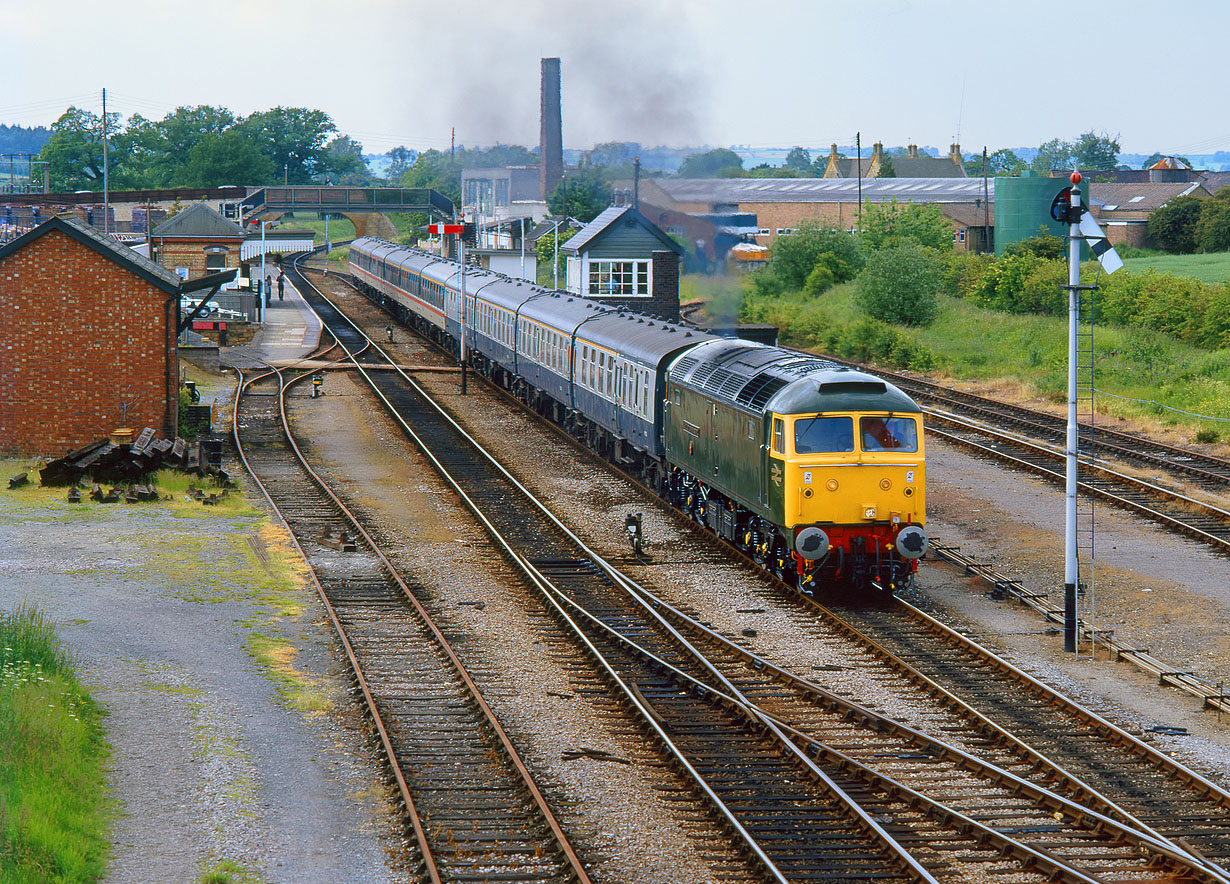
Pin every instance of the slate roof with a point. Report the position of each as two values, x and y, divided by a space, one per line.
151 271
606 219
1143 197
1215 181
198 221
924 167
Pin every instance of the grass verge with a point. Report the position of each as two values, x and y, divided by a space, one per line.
53 812
1212 268
1145 379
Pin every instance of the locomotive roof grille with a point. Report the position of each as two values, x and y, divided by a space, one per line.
686 364
760 390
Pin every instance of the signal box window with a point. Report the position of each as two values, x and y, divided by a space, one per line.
889 433
819 435
779 436
628 278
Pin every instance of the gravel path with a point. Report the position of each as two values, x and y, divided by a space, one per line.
208 764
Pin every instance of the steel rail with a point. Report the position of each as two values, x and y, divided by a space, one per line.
1140 836
420 836
509 748
1213 513
1134 832
1211 695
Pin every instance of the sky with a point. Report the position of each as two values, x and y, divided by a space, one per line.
679 73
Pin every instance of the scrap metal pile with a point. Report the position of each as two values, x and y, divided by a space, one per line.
128 463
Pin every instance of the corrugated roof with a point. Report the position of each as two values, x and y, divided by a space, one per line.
815 190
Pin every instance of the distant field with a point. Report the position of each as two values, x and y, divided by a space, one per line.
1207 268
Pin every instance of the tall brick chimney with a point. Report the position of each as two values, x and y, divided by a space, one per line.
551 138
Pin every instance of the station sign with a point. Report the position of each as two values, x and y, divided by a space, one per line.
436 229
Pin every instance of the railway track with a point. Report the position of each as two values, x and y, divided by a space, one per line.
685 698
474 810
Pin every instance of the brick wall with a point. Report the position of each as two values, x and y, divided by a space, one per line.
191 254
86 346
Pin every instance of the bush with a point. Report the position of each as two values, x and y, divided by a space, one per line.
1213 229
1042 244
900 284
1173 226
893 223
795 256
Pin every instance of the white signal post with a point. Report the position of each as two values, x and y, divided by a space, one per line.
1071 569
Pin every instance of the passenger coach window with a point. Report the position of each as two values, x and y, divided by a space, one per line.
823 434
779 436
889 433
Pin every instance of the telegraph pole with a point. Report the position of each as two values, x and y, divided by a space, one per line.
106 171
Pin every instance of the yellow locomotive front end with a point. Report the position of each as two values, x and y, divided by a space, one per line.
853 495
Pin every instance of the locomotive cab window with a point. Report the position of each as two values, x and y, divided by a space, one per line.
779 436
817 435
889 434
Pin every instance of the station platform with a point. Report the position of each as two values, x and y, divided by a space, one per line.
289 330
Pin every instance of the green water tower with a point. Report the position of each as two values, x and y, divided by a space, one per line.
1023 204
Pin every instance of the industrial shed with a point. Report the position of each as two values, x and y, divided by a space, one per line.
87 339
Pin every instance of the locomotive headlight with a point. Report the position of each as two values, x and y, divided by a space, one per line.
831 484
869 512
908 492
886 484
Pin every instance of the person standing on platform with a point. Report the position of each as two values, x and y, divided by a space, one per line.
268 290
281 284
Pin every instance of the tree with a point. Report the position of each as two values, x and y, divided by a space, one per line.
160 150
1003 163
795 256
900 284
437 171
888 224
1054 154
344 163
717 163
886 170
74 152
400 160
1213 228
294 139
582 195
1172 227
233 157
799 159
1097 151
544 247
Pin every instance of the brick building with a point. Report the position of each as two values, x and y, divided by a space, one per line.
197 241
87 340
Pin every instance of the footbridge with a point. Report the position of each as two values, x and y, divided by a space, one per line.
365 207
